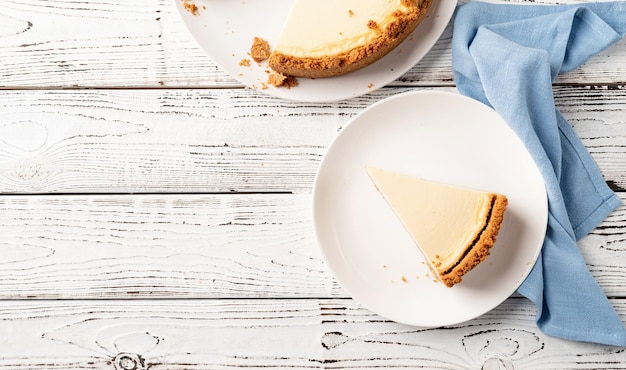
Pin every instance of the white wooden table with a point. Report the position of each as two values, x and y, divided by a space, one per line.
155 214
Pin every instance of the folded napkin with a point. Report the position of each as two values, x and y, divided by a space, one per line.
507 57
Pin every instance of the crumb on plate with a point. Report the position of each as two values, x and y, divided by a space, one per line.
190 7
260 50
278 79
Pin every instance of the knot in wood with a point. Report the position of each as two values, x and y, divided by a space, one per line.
497 363
129 361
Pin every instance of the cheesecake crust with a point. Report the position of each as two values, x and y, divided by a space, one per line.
480 249
357 58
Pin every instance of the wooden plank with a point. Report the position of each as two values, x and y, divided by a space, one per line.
195 246
598 117
300 334
144 43
100 43
160 246
134 141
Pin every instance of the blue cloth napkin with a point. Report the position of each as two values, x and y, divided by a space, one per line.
507 57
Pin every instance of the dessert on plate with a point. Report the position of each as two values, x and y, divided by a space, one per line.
325 38
454 227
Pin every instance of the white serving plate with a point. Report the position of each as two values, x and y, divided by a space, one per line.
439 136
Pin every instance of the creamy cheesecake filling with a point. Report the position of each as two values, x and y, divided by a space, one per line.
425 207
453 227
444 236
347 25
476 239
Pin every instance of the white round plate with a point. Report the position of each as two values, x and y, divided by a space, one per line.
439 136
225 30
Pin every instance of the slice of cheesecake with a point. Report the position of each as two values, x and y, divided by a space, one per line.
324 38
453 227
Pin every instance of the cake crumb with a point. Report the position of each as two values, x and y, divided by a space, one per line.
278 79
370 85
372 24
244 62
190 7
350 12
260 50
404 280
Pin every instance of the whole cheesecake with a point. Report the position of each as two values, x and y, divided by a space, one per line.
324 38
454 227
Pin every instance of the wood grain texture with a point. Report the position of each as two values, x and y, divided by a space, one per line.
300 334
155 214
195 246
224 140
144 43
177 246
